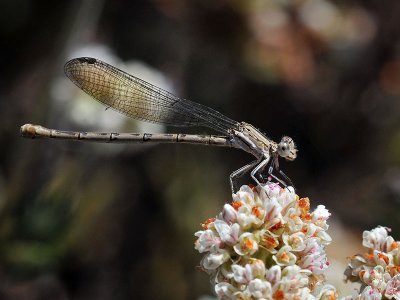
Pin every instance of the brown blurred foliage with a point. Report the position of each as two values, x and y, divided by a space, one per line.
116 222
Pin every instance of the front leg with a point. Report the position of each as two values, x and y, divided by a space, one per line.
275 165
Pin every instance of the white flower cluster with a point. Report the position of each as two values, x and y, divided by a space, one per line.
267 244
378 270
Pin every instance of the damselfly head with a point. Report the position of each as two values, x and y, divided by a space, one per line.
287 148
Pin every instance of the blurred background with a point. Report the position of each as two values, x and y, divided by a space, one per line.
93 221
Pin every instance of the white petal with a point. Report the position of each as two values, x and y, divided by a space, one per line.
260 289
228 234
212 261
229 214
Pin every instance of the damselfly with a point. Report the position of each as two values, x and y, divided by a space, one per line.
141 100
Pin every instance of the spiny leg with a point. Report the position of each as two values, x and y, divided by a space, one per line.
259 167
239 173
275 165
287 179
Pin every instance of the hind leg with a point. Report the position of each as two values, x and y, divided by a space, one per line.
240 172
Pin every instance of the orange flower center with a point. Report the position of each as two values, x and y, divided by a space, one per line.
248 244
269 242
277 226
284 257
279 295
395 245
383 257
236 204
304 203
207 222
256 211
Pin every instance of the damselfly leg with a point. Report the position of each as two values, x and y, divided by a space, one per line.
275 166
239 173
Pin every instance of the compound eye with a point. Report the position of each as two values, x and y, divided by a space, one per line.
284 149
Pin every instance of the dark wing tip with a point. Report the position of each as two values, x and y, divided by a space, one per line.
88 60
79 60
82 60
71 66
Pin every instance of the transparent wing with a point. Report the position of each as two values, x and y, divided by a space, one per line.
139 99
